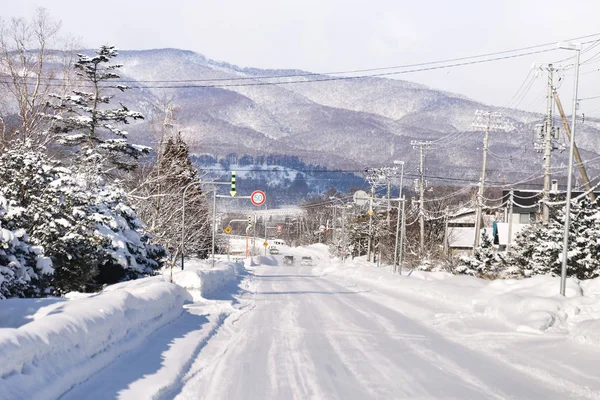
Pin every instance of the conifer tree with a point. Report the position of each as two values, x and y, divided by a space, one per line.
85 121
484 262
159 201
23 267
538 248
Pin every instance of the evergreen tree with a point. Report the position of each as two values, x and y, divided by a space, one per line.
159 199
126 252
484 262
51 208
85 121
538 248
86 229
23 267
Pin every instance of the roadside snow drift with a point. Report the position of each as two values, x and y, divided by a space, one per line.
44 358
202 282
528 305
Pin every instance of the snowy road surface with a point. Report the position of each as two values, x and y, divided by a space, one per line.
292 334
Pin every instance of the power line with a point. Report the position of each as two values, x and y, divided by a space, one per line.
328 79
420 64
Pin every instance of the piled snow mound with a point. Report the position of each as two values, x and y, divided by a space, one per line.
528 305
203 282
42 359
532 304
17 312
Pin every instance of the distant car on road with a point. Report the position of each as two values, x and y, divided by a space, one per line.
306 260
273 250
288 260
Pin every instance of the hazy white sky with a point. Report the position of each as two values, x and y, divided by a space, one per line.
332 35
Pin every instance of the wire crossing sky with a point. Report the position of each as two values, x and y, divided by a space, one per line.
353 35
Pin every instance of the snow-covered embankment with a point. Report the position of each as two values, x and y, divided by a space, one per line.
46 357
527 305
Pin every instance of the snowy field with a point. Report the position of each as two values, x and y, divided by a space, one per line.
332 330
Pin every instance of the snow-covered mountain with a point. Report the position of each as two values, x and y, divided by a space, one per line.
340 123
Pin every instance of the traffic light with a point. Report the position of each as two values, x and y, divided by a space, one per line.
249 220
233 190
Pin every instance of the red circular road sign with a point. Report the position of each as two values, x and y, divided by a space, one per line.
258 198
279 228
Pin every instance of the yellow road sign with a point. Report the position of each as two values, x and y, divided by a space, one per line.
265 244
227 230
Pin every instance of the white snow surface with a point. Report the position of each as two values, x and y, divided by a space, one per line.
201 281
329 331
527 305
47 346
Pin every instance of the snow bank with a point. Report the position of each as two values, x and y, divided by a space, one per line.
44 358
528 305
203 282
265 260
17 312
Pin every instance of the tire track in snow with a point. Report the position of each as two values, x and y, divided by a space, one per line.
512 372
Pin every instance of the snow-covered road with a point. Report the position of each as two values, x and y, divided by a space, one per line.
293 334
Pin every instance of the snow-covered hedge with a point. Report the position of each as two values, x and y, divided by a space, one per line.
44 358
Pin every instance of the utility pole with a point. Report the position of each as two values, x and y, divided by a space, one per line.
446 232
510 219
488 121
370 212
580 165
402 234
548 144
423 148
389 205
400 199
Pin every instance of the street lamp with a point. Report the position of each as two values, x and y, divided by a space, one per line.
563 271
396 162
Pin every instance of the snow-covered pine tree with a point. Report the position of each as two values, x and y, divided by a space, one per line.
158 199
484 262
24 269
584 240
51 206
538 248
88 230
127 252
84 120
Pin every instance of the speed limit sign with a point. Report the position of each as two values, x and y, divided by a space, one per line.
258 198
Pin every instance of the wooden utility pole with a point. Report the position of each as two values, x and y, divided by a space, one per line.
580 165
